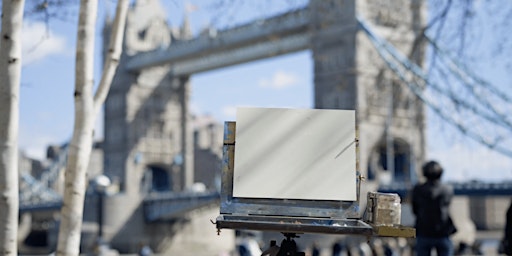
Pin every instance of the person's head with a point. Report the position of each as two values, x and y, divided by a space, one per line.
432 170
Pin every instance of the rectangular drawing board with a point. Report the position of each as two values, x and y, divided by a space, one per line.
307 154
260 199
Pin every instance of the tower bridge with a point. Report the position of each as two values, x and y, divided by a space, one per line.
150 151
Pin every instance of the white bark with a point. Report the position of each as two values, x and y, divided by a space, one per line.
80 145
86 110
10 73
113 54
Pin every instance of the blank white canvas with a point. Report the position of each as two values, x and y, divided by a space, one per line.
295 154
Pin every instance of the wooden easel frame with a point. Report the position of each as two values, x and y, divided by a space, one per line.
284 215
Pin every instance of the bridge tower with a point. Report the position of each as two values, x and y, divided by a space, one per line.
349 74
148 144
147 131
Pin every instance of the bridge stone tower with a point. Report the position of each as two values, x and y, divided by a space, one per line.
147 131
349 74
149 144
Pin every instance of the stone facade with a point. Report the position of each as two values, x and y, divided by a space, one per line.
349 74
489 212
149 144
147 124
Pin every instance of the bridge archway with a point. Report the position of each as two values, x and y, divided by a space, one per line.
402 168
156 178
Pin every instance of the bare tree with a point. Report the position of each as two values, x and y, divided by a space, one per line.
87 106
50 10
10 72
466 38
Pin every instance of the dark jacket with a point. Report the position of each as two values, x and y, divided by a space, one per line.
430 203
507 239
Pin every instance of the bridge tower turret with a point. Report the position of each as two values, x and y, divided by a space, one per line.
148 144
349 74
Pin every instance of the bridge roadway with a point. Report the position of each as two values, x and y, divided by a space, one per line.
166 205
157 206
459 188
38 195
274 36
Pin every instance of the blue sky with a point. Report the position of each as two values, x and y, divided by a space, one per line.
46 104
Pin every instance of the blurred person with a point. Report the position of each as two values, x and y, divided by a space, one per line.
337 248
430 204
248 246
506 243
315 251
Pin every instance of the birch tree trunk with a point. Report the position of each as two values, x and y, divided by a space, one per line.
10 74
87 107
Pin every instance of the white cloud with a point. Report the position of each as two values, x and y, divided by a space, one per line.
463 163
39 42
279 80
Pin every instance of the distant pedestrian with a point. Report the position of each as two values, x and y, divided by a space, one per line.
506 243
337 247
430 204
315 251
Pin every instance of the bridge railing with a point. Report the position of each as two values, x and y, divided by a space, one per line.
459 188
35 195
161 206
52 173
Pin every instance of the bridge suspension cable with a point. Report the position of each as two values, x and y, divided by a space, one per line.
52 173
417 81
475 85
36 195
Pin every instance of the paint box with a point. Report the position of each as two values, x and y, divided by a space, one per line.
383 209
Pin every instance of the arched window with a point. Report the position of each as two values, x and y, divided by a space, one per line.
403 162
156 179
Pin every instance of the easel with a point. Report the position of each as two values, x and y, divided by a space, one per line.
289 216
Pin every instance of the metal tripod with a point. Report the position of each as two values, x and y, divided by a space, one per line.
288 247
